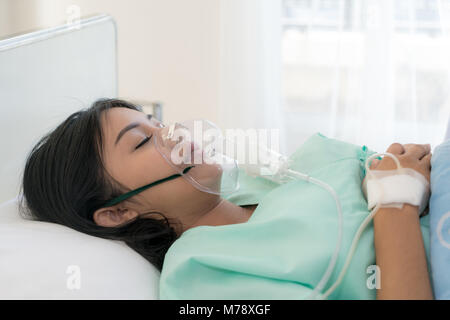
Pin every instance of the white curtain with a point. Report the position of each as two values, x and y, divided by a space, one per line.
369 72
250 66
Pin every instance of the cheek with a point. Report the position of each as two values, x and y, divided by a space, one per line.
150 169
137 170
170 195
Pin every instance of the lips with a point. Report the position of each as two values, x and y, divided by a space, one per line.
197 155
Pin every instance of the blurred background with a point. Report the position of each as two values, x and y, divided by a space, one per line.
369 72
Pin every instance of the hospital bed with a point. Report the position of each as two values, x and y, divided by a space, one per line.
44 77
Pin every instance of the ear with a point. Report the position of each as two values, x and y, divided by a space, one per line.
114 216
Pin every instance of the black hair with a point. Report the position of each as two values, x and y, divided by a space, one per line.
65 182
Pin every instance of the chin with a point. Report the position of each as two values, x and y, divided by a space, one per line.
209 175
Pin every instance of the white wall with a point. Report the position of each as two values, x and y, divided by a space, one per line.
4 21
17 16
169 50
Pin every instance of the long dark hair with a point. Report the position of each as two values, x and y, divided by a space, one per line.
65 181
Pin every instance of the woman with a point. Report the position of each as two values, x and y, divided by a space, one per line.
101 153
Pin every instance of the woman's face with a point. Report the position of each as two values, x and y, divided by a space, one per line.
135 162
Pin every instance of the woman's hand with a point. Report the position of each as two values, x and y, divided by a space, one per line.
399 246
414 156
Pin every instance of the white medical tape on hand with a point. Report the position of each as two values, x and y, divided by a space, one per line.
393 188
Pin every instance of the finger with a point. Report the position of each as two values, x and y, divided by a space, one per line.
417 150
426 160
396 148
425 146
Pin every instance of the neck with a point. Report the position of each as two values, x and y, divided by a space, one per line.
225 212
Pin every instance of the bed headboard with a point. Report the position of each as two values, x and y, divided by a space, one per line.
44 77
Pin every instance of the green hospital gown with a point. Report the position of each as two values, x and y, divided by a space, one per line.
283 250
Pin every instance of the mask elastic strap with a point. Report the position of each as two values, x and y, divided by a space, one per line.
138 190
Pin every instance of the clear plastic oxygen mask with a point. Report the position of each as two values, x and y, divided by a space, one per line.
194 150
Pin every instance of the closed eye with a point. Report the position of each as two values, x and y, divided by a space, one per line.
143 142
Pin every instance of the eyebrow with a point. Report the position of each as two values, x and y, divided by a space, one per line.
128 128
124 130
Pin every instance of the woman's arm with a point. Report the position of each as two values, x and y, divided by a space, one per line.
399 248
400 254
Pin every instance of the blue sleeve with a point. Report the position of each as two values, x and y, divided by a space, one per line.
440 220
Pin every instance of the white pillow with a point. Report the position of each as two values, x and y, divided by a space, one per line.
40 260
